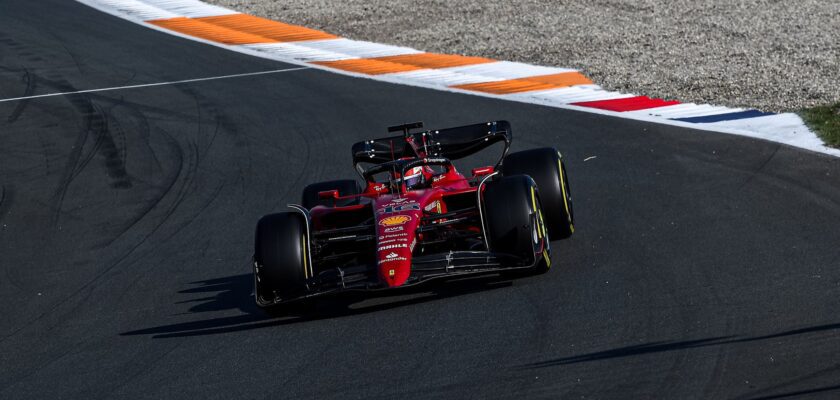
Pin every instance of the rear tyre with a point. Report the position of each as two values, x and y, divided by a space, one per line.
345 187
514 220
548 170
280 263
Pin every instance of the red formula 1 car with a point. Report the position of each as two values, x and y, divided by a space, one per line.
416 218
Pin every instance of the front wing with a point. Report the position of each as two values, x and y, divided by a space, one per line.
423 269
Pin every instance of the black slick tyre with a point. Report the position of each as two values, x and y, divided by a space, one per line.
545 165
514 222
280 258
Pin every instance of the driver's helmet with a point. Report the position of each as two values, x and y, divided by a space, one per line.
413 177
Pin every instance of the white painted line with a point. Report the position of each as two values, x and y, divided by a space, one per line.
357 48
329 50
507 70
687 110
442 77
132 9
189 8
145 85
675 111
294 51
780 127
573 94
596 96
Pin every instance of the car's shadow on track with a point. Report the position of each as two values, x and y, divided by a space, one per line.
773 392
236 293
664 346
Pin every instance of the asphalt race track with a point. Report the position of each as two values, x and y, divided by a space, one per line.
705 266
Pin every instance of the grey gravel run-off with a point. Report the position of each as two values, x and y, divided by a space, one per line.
773 55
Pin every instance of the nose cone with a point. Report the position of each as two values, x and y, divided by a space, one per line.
396 223
395 268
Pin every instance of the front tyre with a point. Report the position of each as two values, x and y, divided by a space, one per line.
515 220
546 167
280 259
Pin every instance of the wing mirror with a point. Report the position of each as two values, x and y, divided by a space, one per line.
481 171
328 194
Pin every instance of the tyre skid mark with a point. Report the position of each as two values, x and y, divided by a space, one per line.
87 287
6 201
70 166
222 123
95 121
21 106
160 198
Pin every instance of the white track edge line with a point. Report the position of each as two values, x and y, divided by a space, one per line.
145 85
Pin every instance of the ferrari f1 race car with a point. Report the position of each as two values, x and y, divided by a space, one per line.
416 217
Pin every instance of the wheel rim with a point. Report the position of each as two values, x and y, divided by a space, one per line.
539 232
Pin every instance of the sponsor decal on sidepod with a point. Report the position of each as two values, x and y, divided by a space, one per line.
395 220
394 235
392 246
390 209
435 205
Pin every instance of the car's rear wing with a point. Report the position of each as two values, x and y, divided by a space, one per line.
452 143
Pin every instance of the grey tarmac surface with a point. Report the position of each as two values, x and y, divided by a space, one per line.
705 265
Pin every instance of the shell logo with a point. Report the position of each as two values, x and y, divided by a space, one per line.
395 220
